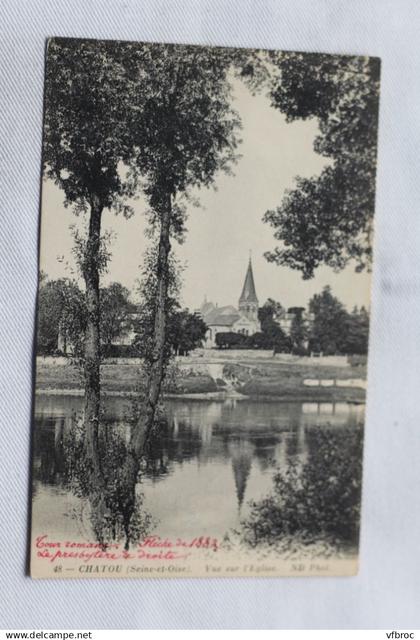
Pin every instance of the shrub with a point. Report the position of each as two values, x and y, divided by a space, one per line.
315 501
229 339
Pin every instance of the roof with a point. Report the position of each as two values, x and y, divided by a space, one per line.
206 307
222 316
248 292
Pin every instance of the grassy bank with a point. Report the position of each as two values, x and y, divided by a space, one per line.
115 378
262 380
287 381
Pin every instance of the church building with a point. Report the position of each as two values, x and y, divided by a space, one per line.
243 319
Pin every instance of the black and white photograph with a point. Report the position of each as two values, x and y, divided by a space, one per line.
203 310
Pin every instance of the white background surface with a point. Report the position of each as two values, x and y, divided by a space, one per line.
386 593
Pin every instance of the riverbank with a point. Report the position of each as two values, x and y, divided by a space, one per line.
258 378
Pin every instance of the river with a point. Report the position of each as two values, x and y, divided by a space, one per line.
214 457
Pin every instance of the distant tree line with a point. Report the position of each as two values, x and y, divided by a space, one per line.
62 325
63 315
331 330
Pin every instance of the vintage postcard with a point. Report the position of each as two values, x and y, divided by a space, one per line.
203 311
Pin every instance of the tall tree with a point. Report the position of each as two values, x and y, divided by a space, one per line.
186 134
329 327
327 219
88 100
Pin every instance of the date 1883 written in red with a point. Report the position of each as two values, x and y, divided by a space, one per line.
150 548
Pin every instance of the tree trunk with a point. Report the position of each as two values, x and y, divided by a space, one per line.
92 337
157 367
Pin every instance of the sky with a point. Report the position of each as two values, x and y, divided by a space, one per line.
227 227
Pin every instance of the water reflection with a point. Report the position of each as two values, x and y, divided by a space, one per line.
210 459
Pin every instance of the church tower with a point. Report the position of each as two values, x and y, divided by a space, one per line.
248 302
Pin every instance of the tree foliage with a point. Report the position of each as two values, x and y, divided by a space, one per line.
186 332
334 330
299 333
317 501
229 340
61 317
327 219
187 128
269 312
357 332
274 336
329 323
89 102
115 313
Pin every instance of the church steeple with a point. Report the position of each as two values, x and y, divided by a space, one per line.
248 302
248 292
